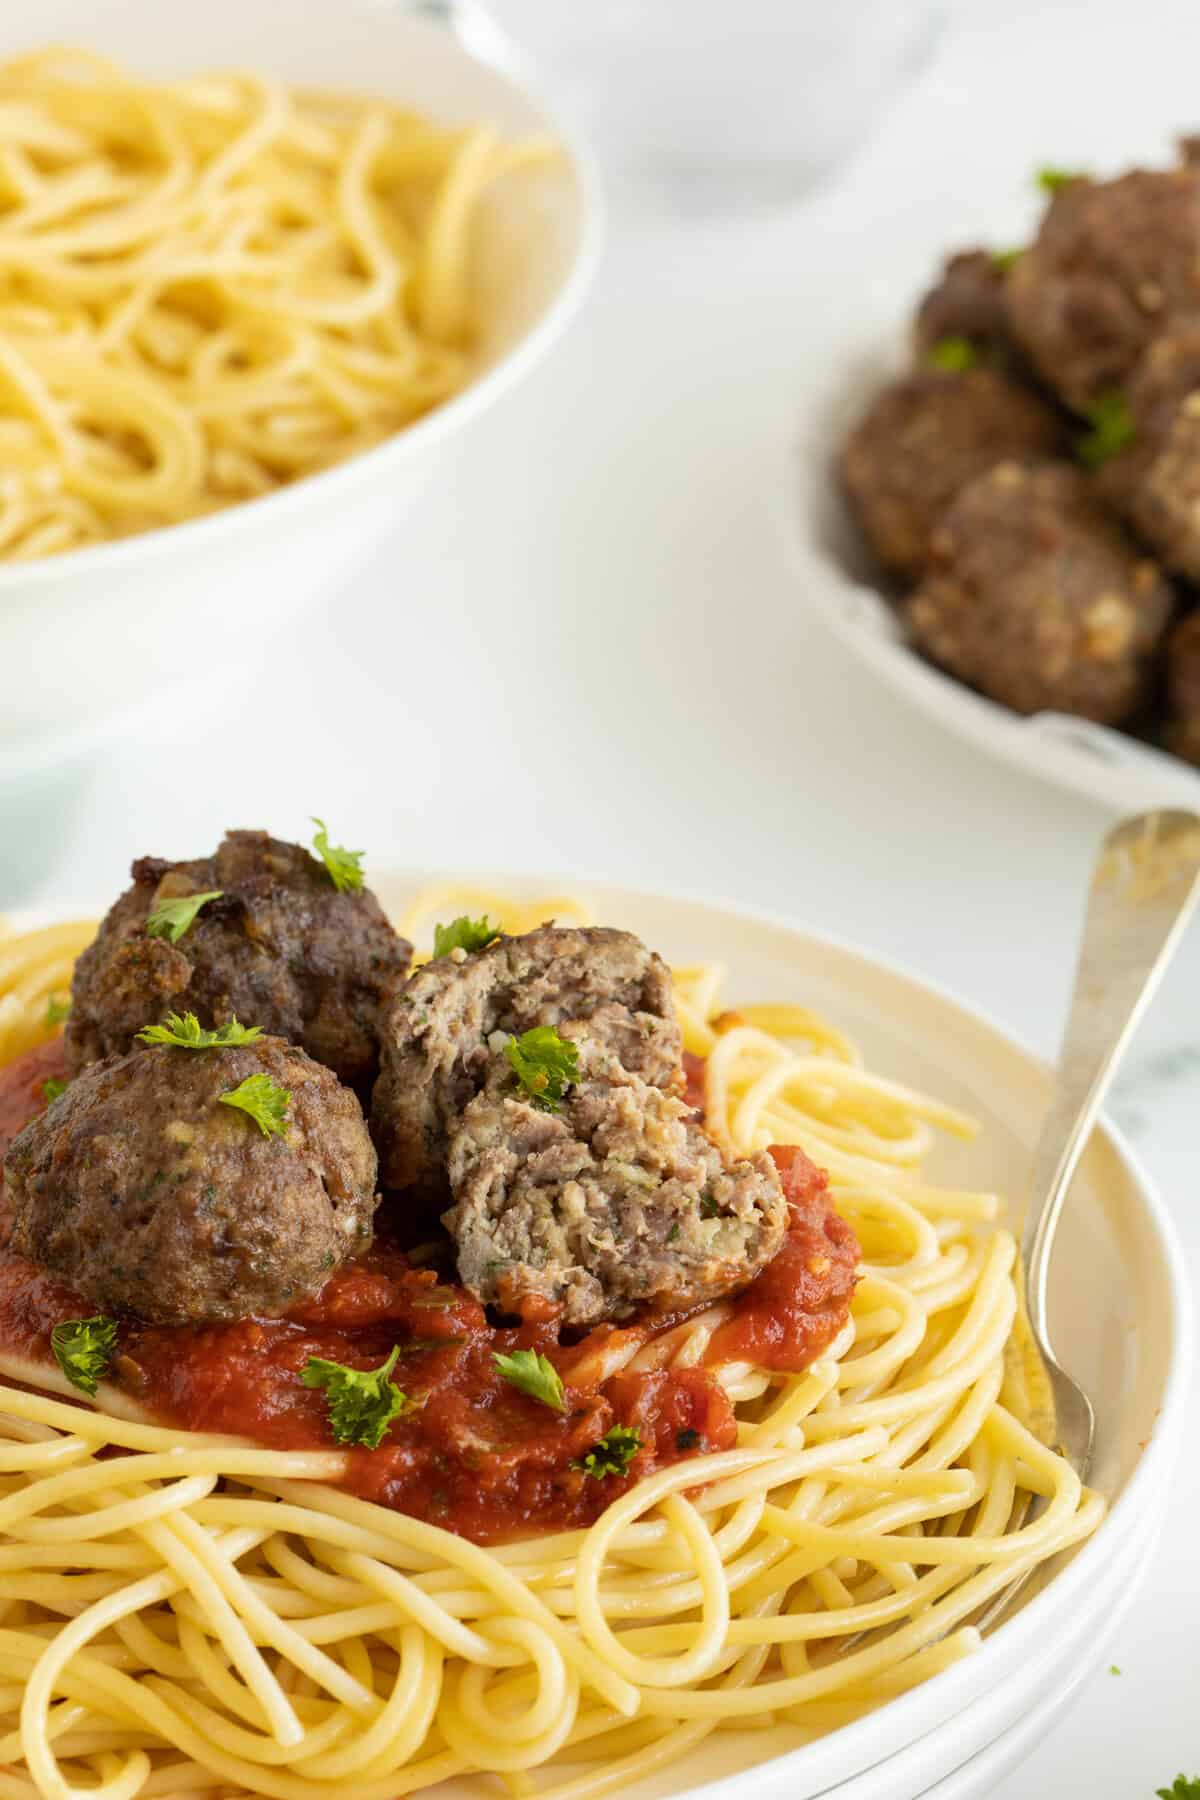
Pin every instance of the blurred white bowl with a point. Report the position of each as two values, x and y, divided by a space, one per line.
89 639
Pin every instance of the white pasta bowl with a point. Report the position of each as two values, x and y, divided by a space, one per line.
90 637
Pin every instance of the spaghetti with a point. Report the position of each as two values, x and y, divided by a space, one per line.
209 1616
212 287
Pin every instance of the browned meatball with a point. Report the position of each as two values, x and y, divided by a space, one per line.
282 948
1113 263
1039 599
968 301
1155 482
145 1191
1183 689
435 1038
922 439
619 1199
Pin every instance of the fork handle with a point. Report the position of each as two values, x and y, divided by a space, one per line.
1144 887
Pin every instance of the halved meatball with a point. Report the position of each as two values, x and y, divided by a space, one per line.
147 1193
1038 598
970 301
923 439
1183 689
282 948
1156 481
1113 263
435 1037
618 1200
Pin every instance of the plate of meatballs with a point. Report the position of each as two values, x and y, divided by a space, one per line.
1010 532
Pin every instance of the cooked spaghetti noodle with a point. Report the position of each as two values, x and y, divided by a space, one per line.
211 287
205 1616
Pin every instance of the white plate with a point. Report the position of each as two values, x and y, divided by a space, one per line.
835 578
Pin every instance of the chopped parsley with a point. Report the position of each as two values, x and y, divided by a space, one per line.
613 1454
264 1100
545 1065
186 1033
688 1439
1004 260
344 866
57 1010
1050 179
464 934
533 1374
1182 1788
708 1206
1113 1669
53 1086
362 1402
953 354
1110 429
83 1349
171 918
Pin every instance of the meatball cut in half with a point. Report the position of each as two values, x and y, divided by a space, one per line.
620 1199
146 1191
1039 599
435 1039
1155 482
1113 263
969 301
1183 689
922 439
281 946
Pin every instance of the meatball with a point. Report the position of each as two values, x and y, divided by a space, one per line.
144 1192
969 301
435 1036
619 1199
922 439
1155 482
1038 598
1183 689
1113 263
282 948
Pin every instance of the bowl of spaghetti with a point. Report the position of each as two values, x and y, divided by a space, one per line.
258 274
415 1531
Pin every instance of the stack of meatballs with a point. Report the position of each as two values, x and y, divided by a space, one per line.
1033 482
148 1196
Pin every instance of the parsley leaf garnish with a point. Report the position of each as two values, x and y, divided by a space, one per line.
53 1086
533 1374
83 1349
1050 179
688 1439
708 1206
186 1033
57 1010
171 918
264 1100
953 354
464 934
613 1454
362 1402
1111 429
545 1065
1182 1788
345 866
1004 260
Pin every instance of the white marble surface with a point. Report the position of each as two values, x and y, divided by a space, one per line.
589 655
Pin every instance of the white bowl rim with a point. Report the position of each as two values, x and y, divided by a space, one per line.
919 1710
411 440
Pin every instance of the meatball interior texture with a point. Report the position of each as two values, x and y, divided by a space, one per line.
1183 689
435 1050
924 437
969 300
618 1200
1156 481
1038 598
282 948
1112 264
142 1190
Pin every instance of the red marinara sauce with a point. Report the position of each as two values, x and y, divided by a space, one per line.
472 1454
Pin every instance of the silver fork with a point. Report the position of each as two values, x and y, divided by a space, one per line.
1144 887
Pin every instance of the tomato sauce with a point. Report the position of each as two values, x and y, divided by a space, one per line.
471 1452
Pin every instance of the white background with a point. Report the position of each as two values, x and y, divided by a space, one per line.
589 654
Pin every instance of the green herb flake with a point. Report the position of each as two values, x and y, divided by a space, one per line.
171 918
185 1032
344 866
545 1065
1004 260
613 1454
1110 430
362 1402
952 354
57 1010
464 934
1184 1787
708 1207
83 1349
1050 179
1113 1669
263 1100
53 1086
688 1439
533 1374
